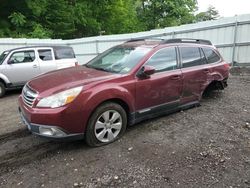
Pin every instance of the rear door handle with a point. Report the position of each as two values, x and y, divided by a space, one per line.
34 66
175 77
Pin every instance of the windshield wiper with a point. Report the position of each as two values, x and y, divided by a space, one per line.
98 68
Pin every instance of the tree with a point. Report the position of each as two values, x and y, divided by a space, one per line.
163 13
40 32
82 18
210 14
56 15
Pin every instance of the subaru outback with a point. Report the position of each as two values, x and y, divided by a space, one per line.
126 84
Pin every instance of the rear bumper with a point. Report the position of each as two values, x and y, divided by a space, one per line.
56 133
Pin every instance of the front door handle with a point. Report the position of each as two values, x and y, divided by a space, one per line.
206 70
34 66
175 77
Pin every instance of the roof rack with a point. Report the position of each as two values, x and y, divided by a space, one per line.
136 39
144 39
186 40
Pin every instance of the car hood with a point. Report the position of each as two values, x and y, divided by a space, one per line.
63 79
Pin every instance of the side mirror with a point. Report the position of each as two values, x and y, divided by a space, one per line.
146 71
10 62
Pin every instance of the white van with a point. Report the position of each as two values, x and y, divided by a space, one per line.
19 65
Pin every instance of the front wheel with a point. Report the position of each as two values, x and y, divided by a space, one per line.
2 89
107 124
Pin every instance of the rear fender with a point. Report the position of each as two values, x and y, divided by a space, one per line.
216 76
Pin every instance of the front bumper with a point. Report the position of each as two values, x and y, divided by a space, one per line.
49 131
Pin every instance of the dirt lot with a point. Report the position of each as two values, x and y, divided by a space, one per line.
208 146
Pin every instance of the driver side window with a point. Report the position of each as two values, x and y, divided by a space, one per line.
22 57
164 60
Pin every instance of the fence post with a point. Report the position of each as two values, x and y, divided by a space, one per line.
234 40
97 47
173 34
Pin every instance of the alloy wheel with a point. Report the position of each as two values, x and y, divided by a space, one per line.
108 126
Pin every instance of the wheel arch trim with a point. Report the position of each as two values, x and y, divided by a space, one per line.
4 79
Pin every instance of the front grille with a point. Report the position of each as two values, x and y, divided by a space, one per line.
28 95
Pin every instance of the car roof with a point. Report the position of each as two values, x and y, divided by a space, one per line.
39 46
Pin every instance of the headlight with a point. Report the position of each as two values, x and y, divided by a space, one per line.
60 99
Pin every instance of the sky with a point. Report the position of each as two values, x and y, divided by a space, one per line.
226 8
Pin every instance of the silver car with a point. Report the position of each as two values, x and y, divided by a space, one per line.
19 65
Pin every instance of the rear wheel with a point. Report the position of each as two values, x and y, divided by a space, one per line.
107 124
213 86
2 89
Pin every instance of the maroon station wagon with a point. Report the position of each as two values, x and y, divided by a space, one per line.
128 83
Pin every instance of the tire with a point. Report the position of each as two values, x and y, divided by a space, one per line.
2 89
106 125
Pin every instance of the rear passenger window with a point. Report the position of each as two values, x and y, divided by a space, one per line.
164 60
191 56
212 57
64 53
45 55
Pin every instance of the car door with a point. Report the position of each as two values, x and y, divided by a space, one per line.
46 59
195 71
162 90
21 66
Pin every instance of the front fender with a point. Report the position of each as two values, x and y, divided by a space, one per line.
4 78
93 98
103 94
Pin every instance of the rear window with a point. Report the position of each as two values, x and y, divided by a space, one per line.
212 57
64 53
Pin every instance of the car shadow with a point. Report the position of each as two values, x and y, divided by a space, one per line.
212 95
11 93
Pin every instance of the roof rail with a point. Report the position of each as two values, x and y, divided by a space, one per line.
136 39
186 40
144 39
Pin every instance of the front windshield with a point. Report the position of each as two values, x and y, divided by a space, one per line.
2 56
119 59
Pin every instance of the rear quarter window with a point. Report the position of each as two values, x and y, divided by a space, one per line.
64 53
211 55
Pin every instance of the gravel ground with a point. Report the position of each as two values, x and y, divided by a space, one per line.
207 146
